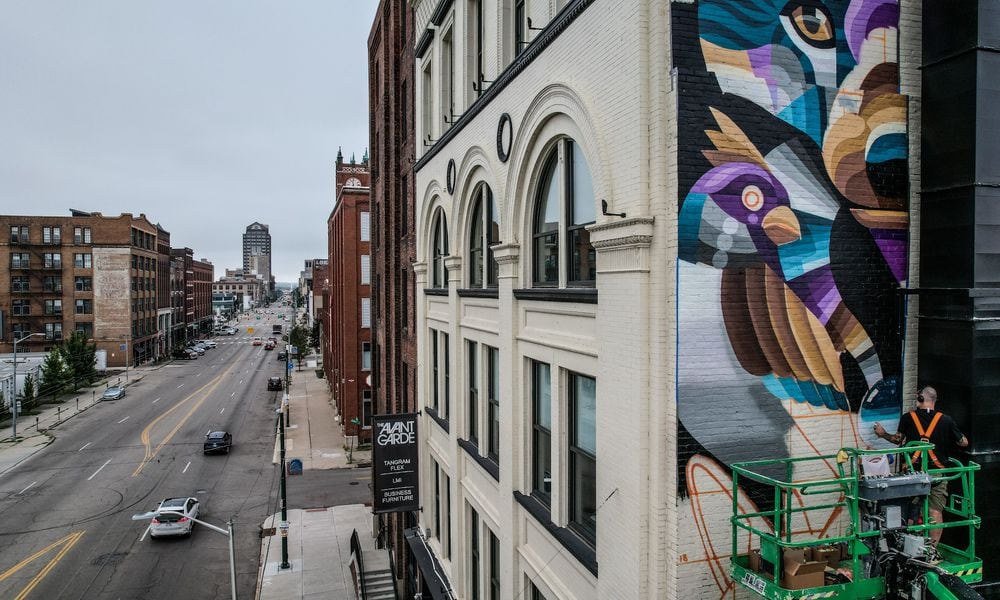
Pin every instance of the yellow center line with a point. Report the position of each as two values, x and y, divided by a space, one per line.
24 562
52 563
206 389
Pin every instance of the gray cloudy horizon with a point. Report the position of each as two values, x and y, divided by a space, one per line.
204 116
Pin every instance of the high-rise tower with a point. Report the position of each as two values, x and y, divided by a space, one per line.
257 250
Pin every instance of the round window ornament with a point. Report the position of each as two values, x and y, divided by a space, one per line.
450 176
505 135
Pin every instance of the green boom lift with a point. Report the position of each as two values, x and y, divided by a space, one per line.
880 555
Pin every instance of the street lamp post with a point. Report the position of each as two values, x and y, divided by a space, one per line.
228 532
13 403
284 499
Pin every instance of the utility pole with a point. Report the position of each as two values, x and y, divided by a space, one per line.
284 498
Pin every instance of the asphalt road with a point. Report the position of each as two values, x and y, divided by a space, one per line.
65 515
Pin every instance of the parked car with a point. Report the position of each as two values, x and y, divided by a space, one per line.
208 343
275 383
218 441
283 355
199 350
184 354
257 341
174 524
113 393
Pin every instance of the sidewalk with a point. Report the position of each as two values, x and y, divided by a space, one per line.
319 539
32 430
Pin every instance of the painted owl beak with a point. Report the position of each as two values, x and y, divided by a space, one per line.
782 226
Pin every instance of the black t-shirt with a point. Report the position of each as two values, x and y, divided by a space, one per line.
945 436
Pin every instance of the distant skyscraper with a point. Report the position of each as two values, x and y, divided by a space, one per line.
257 250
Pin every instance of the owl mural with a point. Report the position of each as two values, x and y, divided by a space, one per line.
792 247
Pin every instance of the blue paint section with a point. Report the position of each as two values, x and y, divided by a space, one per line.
787 388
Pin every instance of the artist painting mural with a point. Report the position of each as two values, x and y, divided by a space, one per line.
793 238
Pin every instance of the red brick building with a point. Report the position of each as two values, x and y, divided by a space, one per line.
85 272
391 133
348 342
198 276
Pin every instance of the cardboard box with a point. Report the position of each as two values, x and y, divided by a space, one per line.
830 555
801 573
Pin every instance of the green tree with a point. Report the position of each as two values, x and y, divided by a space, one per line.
299 338
56 376
314 336
4 408
80 359
28 394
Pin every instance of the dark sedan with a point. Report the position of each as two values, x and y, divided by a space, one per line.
218 441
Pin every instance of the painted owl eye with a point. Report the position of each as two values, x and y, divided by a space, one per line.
753 198
812 22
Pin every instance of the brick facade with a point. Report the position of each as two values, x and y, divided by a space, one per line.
349 298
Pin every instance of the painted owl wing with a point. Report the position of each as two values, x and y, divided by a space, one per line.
776 337
889 229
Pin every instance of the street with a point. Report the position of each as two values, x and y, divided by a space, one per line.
66 513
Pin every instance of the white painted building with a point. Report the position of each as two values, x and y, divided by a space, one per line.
586 377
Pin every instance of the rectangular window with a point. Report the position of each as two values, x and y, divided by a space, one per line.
437 499
435 382
366 409
84 307
82 261
19 260
53 307
366 356
447 375
472 379
447 78
19 234
52 283
51 235
427 103
474 555
81 235
541 436
447 517
366 269
53 331
366 313
494 567
583 455
87 329
19 330
478 76
20 307
83 284
366 227
493 407
520 26
52 260
536 594
19 283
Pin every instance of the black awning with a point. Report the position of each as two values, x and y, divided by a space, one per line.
430 567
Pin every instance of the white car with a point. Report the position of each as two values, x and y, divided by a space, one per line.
208 343
168 523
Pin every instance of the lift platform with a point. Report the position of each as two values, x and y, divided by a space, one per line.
884 549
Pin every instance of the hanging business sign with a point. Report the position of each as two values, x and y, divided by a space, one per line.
394 463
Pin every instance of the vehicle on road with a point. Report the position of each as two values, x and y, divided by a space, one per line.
283 355
269 346
218 441
275 383
276 329
208 343
199 350
167 524
257 341
113 393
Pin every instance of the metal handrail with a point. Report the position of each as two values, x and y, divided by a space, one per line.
392 570
360 560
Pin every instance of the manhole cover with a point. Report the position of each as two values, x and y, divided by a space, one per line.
112 558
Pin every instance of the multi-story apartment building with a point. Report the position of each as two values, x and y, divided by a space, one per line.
320 276
257 252
168 311
394 357
198 276
86 272
655 239
349 338
248 290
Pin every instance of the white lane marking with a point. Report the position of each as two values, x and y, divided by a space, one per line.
85 446
208 432
145 531
99 470
27 488
197 375
186 468
180 386
233 394
223 410
123 420
155 401
241 382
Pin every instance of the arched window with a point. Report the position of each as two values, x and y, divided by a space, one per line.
564 206
484 232
439 278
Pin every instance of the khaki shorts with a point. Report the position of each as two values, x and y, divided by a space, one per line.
939 495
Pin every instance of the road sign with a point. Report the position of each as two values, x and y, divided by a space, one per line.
121 347
249 329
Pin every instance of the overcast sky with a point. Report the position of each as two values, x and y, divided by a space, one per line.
206 115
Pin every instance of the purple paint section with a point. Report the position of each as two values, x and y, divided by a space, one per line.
865 16
762 63
723 176
892 243
818 292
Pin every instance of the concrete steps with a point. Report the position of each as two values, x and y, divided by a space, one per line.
379 580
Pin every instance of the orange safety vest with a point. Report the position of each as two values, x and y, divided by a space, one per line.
925 436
